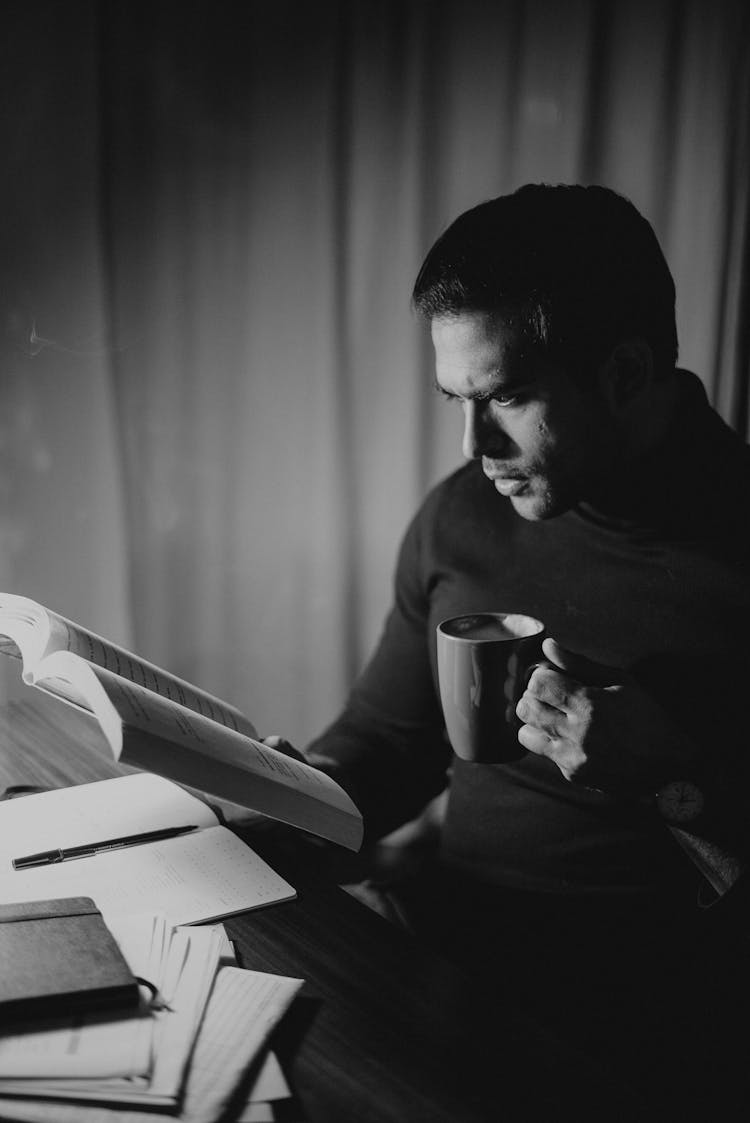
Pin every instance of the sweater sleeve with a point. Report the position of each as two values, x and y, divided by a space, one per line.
388 748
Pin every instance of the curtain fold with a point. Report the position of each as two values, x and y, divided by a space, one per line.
261 184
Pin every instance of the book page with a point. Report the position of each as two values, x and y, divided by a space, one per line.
146 730
91 1047
39 632
205 875
225 764
64 635
24 629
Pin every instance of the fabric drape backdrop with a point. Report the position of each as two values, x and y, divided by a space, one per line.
216 413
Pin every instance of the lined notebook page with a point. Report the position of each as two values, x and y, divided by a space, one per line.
205 875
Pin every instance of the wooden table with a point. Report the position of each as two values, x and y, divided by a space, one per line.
384 1031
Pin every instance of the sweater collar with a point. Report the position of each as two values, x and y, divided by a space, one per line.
679 484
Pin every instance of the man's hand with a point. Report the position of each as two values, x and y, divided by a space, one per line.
598 726
275 742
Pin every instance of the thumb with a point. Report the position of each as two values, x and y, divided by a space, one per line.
577 666
273 741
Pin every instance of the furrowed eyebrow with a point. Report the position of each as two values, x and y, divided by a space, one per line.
523 377
505 390
441 390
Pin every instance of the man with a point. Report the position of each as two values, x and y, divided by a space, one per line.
605 498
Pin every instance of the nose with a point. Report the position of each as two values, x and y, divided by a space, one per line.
483 436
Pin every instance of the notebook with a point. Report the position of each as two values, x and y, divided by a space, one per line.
205 874
59 957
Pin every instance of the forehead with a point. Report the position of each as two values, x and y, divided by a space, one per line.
474 348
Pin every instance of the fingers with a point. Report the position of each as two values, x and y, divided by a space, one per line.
547 719
534 740
273 741
568 756
566 704
549 687
556 711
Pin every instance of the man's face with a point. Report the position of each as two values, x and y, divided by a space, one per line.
544 442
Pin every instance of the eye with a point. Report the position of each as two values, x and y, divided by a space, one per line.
507 399
445 395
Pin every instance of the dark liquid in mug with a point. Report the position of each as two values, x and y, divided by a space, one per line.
487 628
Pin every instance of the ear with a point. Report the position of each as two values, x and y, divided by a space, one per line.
627 373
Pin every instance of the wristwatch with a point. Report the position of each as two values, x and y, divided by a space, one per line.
680 802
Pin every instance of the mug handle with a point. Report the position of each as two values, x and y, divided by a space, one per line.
510 710
529 672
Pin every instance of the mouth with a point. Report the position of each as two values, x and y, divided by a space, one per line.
506 485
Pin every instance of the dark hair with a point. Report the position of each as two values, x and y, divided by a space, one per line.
576 268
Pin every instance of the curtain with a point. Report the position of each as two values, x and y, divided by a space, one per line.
239 196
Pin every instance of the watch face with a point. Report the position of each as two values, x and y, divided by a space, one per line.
680 801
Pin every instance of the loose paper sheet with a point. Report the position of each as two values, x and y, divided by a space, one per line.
242 1011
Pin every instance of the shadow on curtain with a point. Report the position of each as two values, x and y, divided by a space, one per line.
268 179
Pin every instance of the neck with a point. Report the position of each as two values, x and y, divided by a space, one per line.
647 420
643 428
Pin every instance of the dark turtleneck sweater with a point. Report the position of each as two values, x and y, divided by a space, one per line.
659 588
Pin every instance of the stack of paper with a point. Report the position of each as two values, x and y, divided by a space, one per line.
184 1057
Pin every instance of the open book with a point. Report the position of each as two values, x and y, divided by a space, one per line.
157 722
203 873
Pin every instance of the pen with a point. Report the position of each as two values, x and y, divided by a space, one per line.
50 857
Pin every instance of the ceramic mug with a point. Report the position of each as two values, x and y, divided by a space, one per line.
485 660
